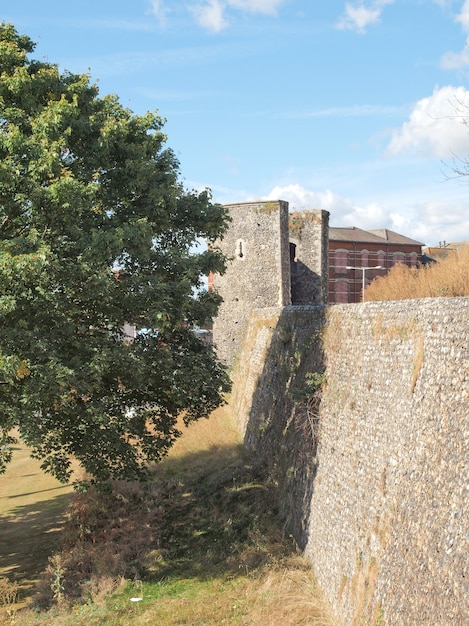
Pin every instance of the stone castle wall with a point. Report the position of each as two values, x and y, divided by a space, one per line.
372 470
261 272
309 234
258 273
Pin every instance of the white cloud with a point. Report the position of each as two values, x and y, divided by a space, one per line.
431 221
426 220
359 16
343 210
463 17
435 127
159 10
268 7
210 15
455 60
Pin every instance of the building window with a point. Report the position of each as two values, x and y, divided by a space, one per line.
341 290
240 251
293 259
381 259
340 261
413 259
398 257
364 258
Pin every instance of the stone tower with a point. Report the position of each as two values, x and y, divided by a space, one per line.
264 265
309 257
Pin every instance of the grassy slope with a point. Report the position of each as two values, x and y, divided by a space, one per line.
213 551
31 515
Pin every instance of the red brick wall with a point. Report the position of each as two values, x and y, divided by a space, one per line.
346 285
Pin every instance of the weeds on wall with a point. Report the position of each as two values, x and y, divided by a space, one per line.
332 336
298 220
267 207
309 395
390 330
418 362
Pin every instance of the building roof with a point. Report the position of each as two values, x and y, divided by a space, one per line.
393 237
352 233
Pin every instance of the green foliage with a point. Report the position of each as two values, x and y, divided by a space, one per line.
96 232
315 381
311 385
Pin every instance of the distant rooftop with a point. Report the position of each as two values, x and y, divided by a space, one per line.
352 233
449 245
393 237
446 250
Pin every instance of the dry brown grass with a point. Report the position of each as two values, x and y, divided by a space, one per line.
31 517
288 597
446 278
218 431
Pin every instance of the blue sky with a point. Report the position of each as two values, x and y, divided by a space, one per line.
356 107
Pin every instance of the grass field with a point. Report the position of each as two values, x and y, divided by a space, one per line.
31 515
200 545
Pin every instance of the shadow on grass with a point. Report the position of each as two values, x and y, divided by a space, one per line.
29 534
221 516
201 515
30 493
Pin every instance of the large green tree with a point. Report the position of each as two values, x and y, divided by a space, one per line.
96 233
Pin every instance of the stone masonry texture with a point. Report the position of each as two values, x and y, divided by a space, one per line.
309 233
361 413
261 272
258 272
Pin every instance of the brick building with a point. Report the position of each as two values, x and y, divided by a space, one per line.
353 250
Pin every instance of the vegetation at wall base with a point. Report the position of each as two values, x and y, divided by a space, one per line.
198 544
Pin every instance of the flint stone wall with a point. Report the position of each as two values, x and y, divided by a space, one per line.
373 473
258 274
275 258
